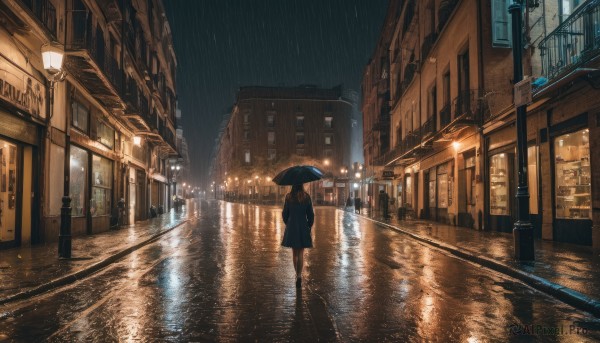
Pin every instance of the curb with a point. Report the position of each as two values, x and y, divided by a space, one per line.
78 275
562 293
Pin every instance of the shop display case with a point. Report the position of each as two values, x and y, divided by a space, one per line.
499 183
573 176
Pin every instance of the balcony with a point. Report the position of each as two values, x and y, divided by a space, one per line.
445 115
409 74
470 106
45 11
427 45
429 127
573 43
444 12
90 61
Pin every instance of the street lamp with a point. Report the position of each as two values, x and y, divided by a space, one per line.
523 230
52 58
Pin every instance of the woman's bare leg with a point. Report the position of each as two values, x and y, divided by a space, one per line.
300 262
295 259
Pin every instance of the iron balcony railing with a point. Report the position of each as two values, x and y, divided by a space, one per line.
445 10
445 115
471 105
45 11
429 127
574 42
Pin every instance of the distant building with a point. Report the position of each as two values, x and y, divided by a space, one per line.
271 128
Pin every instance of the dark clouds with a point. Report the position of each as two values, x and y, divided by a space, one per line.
224 44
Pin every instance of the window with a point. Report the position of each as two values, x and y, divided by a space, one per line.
101 186
432 199
247 118
532 176
499 185
408 191
328 122
80 117
501 25
271 154
328 140
246 135
270 120
327 153
78 180
105 134
431 102
271 137
446 84
300 138
568 7
299 121
573 177
300 152
247 159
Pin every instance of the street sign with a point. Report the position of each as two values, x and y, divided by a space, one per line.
523 92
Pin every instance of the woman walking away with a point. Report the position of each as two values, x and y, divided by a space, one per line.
298 216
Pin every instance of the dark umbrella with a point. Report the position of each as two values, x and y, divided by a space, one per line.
297 175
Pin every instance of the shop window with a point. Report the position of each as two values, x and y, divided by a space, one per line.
532 176
8 192
78 181
442 185
408 191
105 135
432 186
499 184
573 186
80 117
101 186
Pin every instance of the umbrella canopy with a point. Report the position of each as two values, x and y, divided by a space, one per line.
297 175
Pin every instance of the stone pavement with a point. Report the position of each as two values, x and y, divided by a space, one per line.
32 270
567 271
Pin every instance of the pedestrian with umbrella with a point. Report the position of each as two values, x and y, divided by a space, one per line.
298 214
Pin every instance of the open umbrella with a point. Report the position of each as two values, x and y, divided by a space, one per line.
297 175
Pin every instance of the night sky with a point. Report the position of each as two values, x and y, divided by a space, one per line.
222 45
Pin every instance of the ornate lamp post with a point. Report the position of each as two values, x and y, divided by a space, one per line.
52 57
523 230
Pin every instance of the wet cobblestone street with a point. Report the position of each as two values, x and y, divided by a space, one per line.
225 277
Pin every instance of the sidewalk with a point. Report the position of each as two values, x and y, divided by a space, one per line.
29 271
567 271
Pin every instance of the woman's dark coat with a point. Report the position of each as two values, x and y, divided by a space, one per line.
298 218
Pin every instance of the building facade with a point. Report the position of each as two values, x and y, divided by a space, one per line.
112 116
452 157
271 128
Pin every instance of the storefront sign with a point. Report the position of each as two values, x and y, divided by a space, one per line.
327 184
388 174
340 184
523 92
21 89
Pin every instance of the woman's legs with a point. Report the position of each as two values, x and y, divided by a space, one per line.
295 259
299 262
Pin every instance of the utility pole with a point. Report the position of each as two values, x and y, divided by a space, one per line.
523 230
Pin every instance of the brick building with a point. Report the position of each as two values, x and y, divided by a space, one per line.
271 128
452 155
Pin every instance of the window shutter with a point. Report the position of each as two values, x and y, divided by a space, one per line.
501 26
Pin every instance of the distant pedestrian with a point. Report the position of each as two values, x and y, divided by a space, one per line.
384 200
299 217
357 205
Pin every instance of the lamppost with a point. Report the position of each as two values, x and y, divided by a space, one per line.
52 58
523 230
